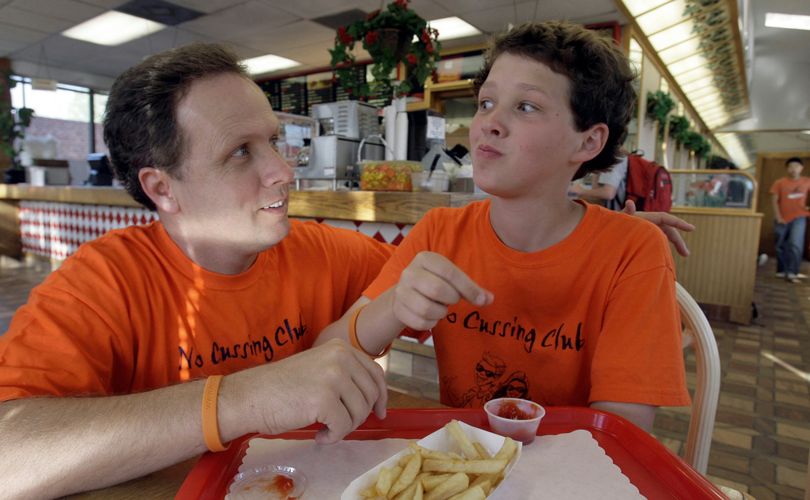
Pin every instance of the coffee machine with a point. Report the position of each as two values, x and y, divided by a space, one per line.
333 152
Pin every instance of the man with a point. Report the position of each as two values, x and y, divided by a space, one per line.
789 199
221 285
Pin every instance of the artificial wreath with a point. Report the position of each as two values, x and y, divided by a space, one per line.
391 36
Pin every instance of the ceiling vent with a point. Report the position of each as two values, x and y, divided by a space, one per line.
159 11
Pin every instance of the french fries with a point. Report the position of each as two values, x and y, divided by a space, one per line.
425 474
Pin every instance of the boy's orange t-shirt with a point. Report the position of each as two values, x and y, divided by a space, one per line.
592 318
792 197
130 312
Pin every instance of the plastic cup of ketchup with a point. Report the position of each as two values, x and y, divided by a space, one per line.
513 417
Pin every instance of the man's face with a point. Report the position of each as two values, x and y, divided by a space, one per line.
794 169
231 187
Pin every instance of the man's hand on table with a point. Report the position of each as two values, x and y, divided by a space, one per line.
332 384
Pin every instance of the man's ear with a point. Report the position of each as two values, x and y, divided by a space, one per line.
157 186
593 140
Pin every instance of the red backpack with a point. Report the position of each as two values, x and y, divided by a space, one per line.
649 185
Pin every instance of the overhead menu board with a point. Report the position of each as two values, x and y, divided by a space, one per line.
320 89
294 95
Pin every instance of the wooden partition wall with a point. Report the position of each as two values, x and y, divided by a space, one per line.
770 167
721 270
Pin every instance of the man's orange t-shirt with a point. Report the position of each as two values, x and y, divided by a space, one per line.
130 312
792 197
592 318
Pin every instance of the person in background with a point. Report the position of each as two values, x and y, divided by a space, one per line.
105 370
789 199
579 301
610 190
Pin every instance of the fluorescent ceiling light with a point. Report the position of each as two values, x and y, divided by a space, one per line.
672 36
661 18
113 28
268 63
684 65
638 7
680 51
788 21
697 84
692 75
453 27
707 90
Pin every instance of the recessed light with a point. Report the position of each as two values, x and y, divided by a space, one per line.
113 28
788 21
453 27
268 63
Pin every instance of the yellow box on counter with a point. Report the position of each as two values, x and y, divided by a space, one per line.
388 175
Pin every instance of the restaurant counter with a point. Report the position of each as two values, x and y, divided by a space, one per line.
52 222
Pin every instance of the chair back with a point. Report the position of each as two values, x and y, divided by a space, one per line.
698 333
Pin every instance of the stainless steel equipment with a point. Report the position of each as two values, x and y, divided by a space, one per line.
334 157
334 153
353 119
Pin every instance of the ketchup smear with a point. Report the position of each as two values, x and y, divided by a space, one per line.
280 485
511 411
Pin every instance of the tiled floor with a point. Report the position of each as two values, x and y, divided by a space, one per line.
762 435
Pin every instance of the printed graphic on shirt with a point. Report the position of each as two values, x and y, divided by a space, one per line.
491 382
257 348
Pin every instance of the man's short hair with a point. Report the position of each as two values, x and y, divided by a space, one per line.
600 78
140 123
794 159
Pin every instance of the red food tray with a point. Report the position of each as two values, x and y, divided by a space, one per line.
656 472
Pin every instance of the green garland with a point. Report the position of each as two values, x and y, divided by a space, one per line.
659 105
678 127
697 143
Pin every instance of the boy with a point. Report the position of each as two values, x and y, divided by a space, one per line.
789 201
577 299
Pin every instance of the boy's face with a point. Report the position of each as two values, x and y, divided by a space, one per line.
232 184
523 137
794 169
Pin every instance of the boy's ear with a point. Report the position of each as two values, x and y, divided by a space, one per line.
593 140
157 186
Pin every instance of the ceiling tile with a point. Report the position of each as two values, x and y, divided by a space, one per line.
163 40
30 20
62 9
8 47
207 6
11 33
107 4
290 36
232 21
310 9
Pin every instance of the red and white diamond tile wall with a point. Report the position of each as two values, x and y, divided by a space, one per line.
55 230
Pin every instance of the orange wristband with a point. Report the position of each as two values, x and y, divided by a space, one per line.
209 414
353 335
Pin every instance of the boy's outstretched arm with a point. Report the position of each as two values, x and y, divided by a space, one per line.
426 288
